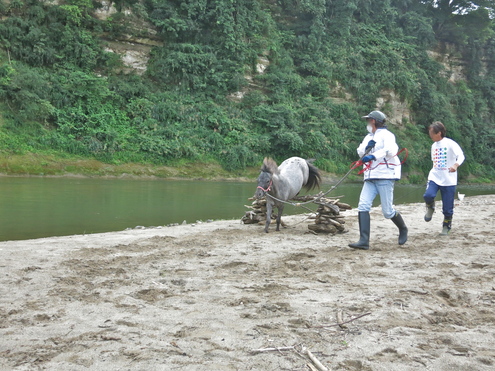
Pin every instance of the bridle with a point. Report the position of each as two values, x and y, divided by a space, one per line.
268 188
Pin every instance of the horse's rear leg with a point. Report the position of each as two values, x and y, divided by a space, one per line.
279 216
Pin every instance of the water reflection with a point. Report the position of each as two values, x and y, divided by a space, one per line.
41 207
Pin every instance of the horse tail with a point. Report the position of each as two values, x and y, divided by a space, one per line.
314 177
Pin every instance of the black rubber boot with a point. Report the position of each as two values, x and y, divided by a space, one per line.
399 222
364 231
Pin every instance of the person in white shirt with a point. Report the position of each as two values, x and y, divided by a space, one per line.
447 156
382 169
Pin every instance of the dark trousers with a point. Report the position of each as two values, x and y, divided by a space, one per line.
447 193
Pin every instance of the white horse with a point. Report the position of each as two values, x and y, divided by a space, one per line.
284 182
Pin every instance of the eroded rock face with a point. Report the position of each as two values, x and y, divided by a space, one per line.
134 51
261 65
453 65
398 112
106 11
134 56
339 94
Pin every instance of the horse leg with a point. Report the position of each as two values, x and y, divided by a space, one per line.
279 216
268 215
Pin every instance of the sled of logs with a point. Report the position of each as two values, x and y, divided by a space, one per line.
328 217
257 214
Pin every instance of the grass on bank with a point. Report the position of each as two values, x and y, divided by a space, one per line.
35 164
54 164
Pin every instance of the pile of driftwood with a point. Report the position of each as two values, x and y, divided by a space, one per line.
327 219
257 212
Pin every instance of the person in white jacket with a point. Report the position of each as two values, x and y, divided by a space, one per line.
382 169
447 156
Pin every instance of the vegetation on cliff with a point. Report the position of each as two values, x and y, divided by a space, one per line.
232 81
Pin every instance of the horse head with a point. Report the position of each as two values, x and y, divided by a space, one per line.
265 179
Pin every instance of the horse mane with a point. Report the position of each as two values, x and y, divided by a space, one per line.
269 166
314 178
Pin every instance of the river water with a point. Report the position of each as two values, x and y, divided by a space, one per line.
35 207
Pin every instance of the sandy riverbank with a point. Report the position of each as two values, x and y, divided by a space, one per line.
205 296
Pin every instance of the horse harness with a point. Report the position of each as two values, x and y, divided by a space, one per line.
268 188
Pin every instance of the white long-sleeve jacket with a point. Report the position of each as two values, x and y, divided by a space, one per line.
387 164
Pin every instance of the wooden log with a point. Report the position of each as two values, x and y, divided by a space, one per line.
329 208
336 223
329 216
319 199
303 198
319 220
340 319
316 362
257 214
274 349
335 208
340 205
344 206
251 217
250 221
323 228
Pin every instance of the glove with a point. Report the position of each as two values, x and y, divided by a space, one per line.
370 145
368 158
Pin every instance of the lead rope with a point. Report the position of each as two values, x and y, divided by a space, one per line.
368 165
300 204
354 165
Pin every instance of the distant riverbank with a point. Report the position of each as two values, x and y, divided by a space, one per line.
55 165
52 165
31 164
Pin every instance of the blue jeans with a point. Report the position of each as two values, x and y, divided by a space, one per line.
382 187
447 193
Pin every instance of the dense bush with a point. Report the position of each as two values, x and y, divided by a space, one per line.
329 61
